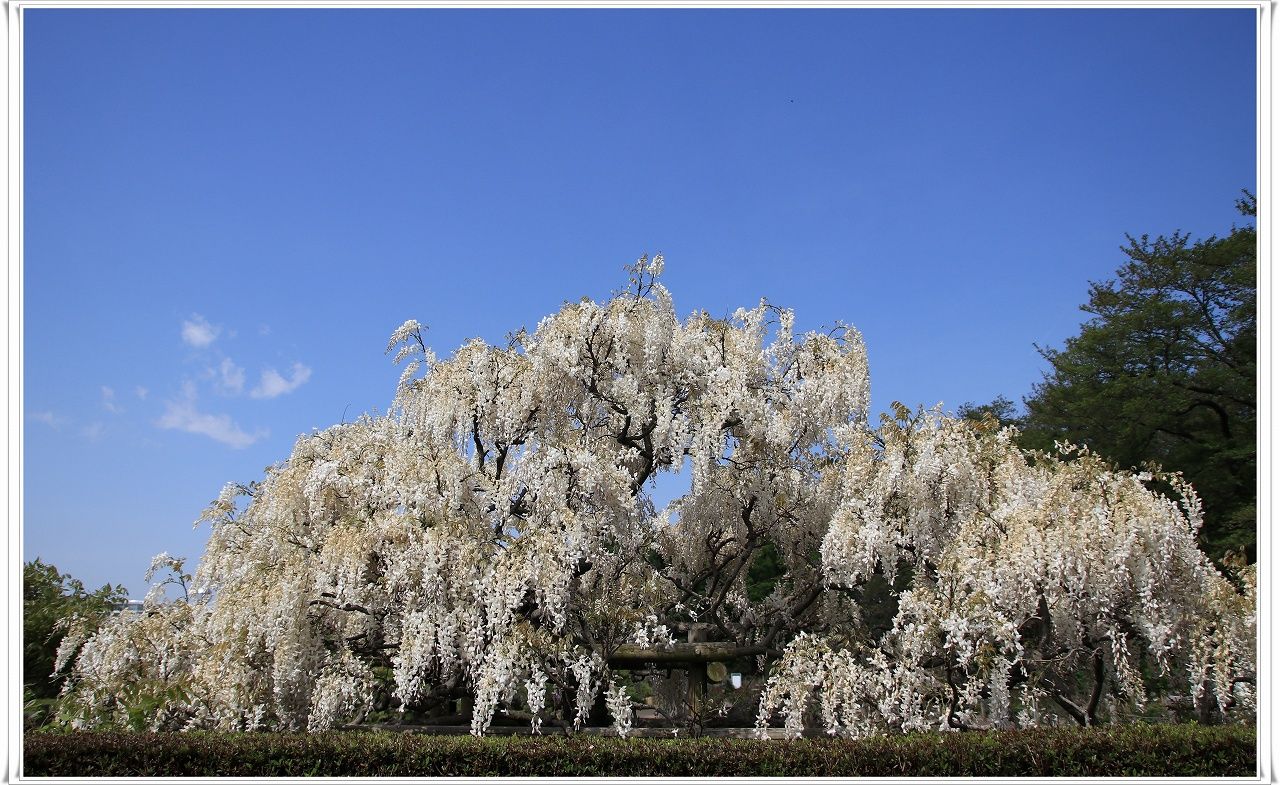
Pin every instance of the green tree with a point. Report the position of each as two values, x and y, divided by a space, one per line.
49 599
1000 410
1166 371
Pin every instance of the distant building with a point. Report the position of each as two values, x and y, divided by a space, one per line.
137 606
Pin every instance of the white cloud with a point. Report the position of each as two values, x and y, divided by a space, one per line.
109 400
273 384
230 376
182 415
50 419
140 391
197 331
93 432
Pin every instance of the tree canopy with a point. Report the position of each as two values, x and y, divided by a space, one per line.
1166 372
53 603
493 538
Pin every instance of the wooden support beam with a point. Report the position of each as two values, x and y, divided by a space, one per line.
632 655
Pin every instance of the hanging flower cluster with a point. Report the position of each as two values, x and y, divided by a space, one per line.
1041 580
492 540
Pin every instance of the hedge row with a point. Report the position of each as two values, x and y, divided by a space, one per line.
1135 750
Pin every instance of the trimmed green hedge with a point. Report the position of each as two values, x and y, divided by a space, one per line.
1134 750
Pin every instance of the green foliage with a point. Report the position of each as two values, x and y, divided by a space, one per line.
764 571
1130 751
877 599
49 600
1166 372
1000 411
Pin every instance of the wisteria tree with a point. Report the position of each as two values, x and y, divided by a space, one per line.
493 538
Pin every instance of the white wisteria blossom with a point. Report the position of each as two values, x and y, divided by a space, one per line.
1033 579
490 548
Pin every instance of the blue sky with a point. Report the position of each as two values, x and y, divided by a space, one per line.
228 212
